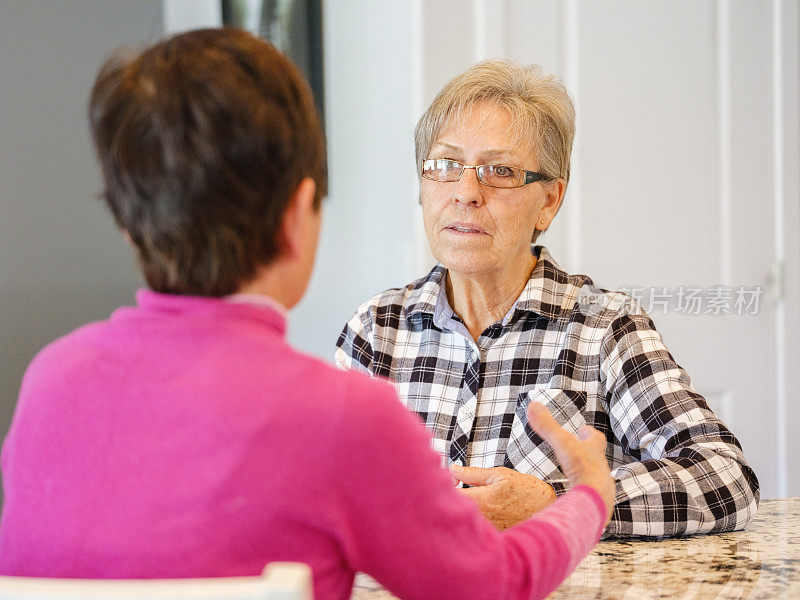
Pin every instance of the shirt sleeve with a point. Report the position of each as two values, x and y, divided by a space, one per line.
354 346
690 474
401 520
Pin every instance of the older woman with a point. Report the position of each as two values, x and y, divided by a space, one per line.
498 325
183 436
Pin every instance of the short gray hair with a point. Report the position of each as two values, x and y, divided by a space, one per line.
541 109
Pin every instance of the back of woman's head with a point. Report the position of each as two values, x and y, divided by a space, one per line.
202 139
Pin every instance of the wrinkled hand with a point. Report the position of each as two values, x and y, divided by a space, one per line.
504 496
582 459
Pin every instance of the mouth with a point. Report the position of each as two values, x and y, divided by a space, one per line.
467 229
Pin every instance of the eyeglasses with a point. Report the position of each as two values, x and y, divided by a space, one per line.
498 176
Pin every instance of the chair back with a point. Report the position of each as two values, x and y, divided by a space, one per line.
279 581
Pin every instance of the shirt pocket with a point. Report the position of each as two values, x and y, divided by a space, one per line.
526 451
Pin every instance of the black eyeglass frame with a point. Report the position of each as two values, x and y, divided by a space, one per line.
530 176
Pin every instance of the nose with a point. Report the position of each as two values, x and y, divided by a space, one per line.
469 189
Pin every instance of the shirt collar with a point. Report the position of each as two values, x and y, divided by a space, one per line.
424 294
550 292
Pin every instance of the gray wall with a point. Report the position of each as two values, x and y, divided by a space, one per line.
62 262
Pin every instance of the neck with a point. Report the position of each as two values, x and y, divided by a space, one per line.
483 299
274 281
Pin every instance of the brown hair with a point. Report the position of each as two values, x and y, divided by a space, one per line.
202 138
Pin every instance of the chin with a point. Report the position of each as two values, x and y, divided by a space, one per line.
466 263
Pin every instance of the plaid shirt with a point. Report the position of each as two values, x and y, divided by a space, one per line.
591 358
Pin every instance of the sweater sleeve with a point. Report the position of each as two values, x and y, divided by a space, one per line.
401 520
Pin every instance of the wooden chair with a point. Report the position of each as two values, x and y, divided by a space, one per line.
279 581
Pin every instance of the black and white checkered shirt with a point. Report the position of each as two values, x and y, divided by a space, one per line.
591 358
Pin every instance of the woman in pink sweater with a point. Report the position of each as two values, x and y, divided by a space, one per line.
184 437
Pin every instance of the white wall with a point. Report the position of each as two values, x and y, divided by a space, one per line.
368 239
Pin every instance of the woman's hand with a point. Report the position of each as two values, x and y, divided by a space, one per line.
504 496
582 459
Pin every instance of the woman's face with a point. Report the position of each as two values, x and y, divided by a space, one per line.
474 229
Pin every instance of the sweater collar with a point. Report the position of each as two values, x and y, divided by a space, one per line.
264 312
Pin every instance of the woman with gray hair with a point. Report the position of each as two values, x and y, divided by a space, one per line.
497 324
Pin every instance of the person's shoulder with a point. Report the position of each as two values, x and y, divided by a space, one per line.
592 305
77 345
611 311
386 308
71 355
357 395
343 384
371 412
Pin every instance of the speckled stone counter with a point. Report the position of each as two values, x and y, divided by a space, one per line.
762 562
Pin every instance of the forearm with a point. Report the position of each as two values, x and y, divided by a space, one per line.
688 473
698 490
528 561
578 519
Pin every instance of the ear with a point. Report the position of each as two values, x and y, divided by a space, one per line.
128 238
552 202
298 218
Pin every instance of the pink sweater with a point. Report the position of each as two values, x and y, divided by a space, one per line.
185 438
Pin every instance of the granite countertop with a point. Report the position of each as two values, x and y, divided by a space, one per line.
762 562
